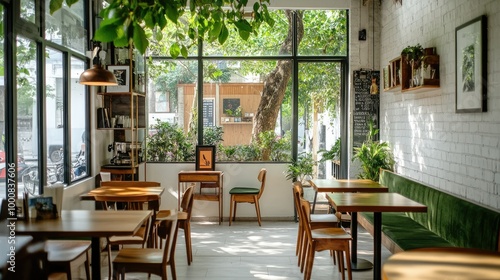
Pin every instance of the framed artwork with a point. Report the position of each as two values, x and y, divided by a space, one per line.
205 158
470 67
229 105
122 74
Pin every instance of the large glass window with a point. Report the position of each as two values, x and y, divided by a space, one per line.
28 10
66 26
27 115
247 91
79 121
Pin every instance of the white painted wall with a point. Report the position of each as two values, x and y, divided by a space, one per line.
276 201
459 153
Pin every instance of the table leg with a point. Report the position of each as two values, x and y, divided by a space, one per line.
377 245
357 263
314 201
96 258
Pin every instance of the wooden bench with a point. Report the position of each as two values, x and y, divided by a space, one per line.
449 220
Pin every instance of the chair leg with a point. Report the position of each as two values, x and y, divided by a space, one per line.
348 262
309 263
109 261
231 210
172 269
257 209
234 213
187 237
87 265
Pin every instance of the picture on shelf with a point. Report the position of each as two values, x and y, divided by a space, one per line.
205 158
122 74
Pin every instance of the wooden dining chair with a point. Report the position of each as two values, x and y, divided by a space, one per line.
63 255
183 220
247 195
316 221
334 239
135 202
151 260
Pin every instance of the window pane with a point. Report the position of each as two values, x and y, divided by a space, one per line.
28 10
27 128
268 42
172 132
54 115
325 33
235 88
66 26
319 125
79 109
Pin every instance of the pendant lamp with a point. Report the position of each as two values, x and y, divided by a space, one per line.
97 75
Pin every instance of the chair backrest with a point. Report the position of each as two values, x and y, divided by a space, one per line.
130 184
262 179
297 195
167 230
305 208
187 201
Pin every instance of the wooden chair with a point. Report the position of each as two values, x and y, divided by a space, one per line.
183 219
334 239
247 195
62 255
151 260
135 202
316 221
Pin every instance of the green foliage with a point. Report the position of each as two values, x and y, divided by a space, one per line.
213 135
373 155
413 54
299 169
169 143
126 21
332 154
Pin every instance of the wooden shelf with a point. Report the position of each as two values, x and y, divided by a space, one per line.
236 123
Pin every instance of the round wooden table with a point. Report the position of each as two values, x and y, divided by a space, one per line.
442 263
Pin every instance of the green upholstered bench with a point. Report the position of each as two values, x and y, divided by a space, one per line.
449 220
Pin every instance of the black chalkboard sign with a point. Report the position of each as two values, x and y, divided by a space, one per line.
208 112
366 104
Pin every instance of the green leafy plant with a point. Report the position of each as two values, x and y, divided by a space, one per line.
333 154
413 54
213 135
373 155
168 143
300 169
133 21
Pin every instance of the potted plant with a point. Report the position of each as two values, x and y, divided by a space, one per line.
373 155
301 169
333 154
413 54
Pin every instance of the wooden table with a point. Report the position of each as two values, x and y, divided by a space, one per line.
131 188
442 263
86 223
345 185
214 177
349 186
377 203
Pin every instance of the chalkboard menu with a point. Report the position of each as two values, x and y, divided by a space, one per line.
366 104
208 112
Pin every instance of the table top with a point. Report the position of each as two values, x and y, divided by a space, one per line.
349 185
442 263
85 223
154 193
373 202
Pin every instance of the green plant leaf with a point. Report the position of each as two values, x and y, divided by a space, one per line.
55 5
175 50
140 41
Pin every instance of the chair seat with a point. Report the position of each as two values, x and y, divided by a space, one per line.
139 255
65 250
330 233
243 190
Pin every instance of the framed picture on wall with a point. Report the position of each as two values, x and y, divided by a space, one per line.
470 67
122 74
205 158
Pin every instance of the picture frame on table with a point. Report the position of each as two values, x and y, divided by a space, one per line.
205 158
470 66
122 74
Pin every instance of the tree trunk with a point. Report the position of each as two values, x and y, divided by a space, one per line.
275 84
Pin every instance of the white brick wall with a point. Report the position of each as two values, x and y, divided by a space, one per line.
459 153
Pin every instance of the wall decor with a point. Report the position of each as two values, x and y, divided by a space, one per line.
122 74
470 67
205 158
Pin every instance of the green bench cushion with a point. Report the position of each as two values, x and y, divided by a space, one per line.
243 190
460 222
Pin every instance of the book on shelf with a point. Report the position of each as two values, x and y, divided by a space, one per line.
103 120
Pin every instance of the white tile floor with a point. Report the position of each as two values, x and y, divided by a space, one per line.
246 251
